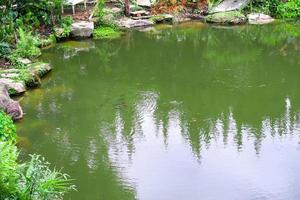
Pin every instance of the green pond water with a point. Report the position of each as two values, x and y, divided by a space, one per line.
185 112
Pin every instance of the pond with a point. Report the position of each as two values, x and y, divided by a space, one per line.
191 111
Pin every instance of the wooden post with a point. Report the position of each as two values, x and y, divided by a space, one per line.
127 12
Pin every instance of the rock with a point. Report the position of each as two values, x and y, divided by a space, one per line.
82 29
259 18
231 18
24 61
40 69
11 107
230 5
14 87
146 3
164 18
180 19
59 32
130 23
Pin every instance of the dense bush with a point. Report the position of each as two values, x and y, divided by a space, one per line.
28 15
289 9
277 8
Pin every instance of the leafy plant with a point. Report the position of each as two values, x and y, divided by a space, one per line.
64 29
7 128
27 45
37 181
290 9
8 169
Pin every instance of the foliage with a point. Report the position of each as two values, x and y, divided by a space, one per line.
7 128
27 45
39 182
28 15
64 28
276 8
8 169
99 9
106 32
4 49
290 9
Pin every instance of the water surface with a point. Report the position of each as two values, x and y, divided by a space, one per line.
184 112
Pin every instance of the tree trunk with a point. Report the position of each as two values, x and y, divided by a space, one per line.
127 12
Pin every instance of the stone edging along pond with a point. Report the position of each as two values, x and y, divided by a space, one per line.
15 82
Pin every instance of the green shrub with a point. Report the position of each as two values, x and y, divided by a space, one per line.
106 32
27 45
290 9
7 128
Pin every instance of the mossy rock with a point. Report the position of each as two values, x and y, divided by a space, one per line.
230 18
106 33
40 69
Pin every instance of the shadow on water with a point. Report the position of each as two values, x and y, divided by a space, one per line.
173 113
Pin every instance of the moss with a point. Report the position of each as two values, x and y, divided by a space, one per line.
231 17
106 33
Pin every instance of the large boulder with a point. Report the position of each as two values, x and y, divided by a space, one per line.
131 23
14 87
231 18
230 5
259 18
39 69
82 29
8 105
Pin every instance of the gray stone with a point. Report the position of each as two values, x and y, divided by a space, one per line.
130 23
82 29
259 18
9 106
16 87
230 5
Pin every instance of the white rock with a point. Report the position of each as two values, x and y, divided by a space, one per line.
259 18
82 29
